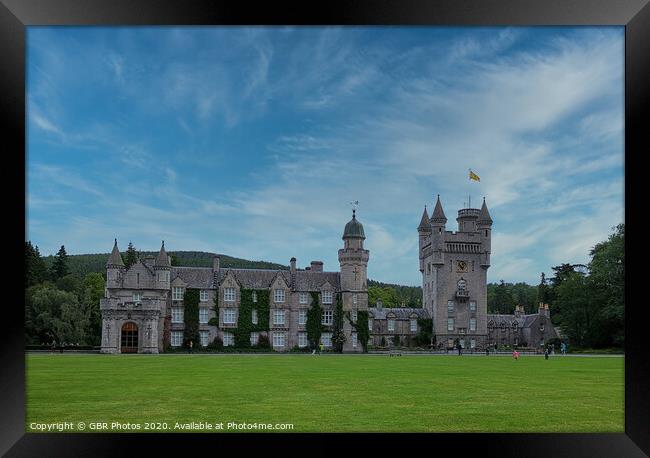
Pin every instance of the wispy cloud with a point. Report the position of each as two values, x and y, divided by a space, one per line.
252 141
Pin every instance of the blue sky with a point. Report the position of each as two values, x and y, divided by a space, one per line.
252 141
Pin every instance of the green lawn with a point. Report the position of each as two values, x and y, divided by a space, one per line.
332 392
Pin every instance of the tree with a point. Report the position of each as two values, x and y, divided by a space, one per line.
338 336
503 298
543 295
573 301
69 283
52 314
92 291
607 283
174 260
131 256
60 265
35 269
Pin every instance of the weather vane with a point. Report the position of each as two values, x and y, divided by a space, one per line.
355 204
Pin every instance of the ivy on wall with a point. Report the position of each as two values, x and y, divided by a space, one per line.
245 320
338 336
191 316
314 318
215 306
361 327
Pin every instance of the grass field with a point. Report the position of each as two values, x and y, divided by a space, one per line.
341 393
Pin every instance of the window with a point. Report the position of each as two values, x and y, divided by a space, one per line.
391 324
472 324
354 340
278 295
228 339
327 297
354 299
302 339
354 314
137 297
203 295
278 317
229 316
203 315
254 316
450 306
137 278
450 324
177 314
229 294
450 342
302 316
254 296
461 342
472 343
278 339
304 299
177 293
370 324
428 267
414 325
327 317
205 337
177 338
472 306
326 339
255 338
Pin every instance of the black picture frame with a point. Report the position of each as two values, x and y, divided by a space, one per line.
15 15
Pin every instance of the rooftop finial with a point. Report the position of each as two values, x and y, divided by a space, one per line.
354 211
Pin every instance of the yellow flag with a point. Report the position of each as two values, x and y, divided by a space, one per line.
473 176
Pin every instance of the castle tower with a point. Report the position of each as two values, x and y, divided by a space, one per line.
353 260
162 268
454 276
114 268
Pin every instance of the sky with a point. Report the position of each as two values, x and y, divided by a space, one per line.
253 141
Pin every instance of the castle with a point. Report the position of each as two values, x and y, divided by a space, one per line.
143 307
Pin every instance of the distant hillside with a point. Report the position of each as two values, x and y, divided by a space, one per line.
82 264
393 295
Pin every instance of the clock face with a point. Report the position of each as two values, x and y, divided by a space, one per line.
461 266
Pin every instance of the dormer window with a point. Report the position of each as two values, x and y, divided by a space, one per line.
177 293
229 294
278 295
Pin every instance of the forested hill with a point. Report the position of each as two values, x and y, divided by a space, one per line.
82 264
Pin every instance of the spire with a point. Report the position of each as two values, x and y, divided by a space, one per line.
438 216
115 259
425 224
162 259
484 217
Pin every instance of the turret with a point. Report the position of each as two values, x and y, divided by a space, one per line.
424 232
162 268
114 268
353 261
484 226
438 222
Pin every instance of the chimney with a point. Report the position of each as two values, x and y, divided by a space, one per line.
293 265
317 266
380 304
519 310
215 264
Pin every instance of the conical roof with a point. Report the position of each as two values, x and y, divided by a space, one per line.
354 228
162 259
484 216
115 259
438 216
425 224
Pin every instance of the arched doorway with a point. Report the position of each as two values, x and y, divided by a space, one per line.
129 337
